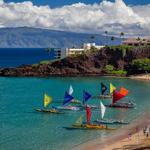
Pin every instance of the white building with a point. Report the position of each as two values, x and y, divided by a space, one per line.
79 51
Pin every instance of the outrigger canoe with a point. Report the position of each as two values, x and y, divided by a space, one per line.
117 96
107 121
121 105
74 101
49 111
47 100
119 122
72 108
103 96
104 91
89 127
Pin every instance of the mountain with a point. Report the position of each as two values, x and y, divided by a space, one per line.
26 37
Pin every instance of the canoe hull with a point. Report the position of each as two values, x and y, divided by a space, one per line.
119 122
103 97
49 111
121 105
69 108
89 127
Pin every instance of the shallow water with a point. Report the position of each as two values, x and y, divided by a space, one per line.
23 128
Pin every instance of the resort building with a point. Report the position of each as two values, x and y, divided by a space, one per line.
79 51
55 53
136 42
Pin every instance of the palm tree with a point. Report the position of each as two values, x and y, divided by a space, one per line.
92 37
112 38
122 34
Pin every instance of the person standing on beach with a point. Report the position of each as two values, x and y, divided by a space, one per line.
147 132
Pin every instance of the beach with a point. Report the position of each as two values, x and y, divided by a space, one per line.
141 77
129 138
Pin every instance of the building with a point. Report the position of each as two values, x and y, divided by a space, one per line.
79 51
88 46
74 51
136 42
55 53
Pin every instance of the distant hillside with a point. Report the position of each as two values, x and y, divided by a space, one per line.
25 37
113 60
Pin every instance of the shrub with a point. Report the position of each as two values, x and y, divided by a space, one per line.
142 65
110 70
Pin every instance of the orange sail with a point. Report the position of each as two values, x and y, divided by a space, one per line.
117 96
123 91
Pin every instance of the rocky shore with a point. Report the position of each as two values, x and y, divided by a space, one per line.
89 64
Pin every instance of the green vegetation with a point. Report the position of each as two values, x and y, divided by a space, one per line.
142 65
110 70
35 65
45 62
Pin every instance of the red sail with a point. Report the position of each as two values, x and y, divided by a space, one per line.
88 114
123 91
117 96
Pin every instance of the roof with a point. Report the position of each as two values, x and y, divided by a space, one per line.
145 41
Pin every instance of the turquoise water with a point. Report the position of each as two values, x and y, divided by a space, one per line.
21 128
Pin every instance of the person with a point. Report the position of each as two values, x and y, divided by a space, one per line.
129 136
144 130
147 132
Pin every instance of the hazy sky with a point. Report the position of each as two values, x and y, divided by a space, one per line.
129 16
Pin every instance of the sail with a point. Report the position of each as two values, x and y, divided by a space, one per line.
88 114
112 88
67 98
47 100
103 109
86 96
79 120
103 88
123 91
70 90
117 96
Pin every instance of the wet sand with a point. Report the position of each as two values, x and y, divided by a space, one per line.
119 139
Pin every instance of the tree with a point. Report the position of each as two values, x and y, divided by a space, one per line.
141 65
92 37
122 34
138 38
112 38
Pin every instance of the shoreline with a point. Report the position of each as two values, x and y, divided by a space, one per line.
143 77
120 138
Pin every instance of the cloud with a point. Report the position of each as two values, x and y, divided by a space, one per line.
114 17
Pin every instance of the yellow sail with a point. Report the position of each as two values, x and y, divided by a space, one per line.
79 120
112 88
47 100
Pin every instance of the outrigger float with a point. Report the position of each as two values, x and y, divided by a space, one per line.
117 96
47 101
88 125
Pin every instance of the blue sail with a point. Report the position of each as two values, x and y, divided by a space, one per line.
86 96
67 98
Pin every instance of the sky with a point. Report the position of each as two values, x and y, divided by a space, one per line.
87 16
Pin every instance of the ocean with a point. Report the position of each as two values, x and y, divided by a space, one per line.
21 128
13 57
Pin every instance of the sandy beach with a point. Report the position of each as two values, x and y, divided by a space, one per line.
119 140
145 77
